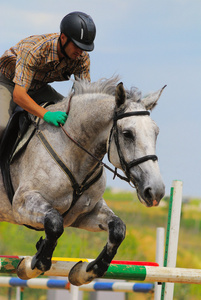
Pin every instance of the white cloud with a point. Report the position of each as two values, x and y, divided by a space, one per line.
22 23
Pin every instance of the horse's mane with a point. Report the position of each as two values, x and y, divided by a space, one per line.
103 86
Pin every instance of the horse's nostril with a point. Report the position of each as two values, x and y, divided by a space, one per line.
148 194
150 197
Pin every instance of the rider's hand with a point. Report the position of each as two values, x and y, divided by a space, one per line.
55 118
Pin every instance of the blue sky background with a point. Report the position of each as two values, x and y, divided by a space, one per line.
149 44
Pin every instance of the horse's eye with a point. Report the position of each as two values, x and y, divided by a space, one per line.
128 134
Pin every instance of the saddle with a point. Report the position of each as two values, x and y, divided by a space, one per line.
10 147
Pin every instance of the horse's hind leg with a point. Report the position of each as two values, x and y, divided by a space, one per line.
101 218
37 213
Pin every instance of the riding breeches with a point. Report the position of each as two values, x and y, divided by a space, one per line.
7 105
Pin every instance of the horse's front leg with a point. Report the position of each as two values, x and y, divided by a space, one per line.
31 209
101 218
53 224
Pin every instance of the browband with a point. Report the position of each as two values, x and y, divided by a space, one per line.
129 114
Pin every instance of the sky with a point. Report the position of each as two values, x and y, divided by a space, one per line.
149 44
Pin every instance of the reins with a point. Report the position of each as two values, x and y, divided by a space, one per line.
89 180
125 166
78 189
89 153
94 157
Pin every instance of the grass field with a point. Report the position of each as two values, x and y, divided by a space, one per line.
139 244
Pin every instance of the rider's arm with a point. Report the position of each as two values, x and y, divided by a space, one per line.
21 98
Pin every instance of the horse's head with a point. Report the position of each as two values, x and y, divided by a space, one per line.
132 142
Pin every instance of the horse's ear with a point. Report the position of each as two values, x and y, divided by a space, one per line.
151 99
120 94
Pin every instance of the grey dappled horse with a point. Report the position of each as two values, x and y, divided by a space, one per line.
53 193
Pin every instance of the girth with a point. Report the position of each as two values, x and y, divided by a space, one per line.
78 190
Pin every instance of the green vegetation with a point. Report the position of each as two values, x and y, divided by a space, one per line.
139 244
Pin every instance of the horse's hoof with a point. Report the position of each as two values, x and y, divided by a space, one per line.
24 270
78 275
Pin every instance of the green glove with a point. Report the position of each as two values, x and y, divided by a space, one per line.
55 118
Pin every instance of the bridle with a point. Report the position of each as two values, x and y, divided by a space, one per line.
114 131
126 166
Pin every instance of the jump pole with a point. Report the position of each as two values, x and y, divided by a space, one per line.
160 241
172 235
75 260
115 271
43 283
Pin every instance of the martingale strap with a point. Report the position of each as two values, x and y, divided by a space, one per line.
78 189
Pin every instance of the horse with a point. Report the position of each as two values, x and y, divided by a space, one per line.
59 179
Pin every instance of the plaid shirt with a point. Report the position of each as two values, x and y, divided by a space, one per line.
34 62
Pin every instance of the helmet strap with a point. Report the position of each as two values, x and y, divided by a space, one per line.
62 47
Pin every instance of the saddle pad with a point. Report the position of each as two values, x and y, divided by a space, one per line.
24 142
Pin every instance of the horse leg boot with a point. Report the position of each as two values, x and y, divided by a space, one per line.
83 272
41 262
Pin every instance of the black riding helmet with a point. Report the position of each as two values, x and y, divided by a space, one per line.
80 29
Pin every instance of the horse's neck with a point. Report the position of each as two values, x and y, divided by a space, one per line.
90 120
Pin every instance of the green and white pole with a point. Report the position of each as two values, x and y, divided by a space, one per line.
118 271
172 235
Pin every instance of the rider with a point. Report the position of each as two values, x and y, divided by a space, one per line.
28 67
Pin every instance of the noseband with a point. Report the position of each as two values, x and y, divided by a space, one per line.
115 132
